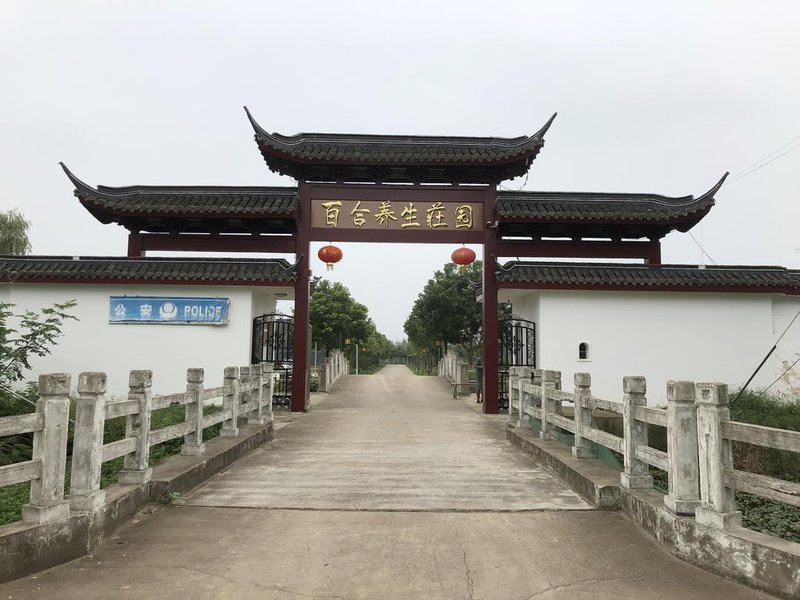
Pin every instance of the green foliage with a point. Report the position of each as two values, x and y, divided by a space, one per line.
767 516
770 517
446 312
14 233
12 497
335 316
34 334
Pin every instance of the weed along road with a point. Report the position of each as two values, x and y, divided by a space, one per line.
388 488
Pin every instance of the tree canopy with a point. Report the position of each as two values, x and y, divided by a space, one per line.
446 310
28 334
335 316
14 233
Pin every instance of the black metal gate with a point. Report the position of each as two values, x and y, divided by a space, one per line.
517 348
273 342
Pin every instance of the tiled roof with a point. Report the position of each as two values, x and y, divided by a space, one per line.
199 201
601 207
320 156
146 270
643 277
390 149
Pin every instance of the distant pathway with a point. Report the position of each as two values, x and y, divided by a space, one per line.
389 488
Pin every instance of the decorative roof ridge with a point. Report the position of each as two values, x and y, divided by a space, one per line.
365 138
645 267
622 197
209 259
168 270
134 190
282 262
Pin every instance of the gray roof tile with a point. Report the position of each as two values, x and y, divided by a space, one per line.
156 270
643 277
195 201
601 207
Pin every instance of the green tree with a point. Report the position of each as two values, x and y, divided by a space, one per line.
23 336
447 311
335 316
14 233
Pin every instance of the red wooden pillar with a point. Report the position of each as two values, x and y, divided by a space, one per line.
490 326
135 249
302 298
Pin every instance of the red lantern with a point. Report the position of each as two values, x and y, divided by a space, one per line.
330 255
463 257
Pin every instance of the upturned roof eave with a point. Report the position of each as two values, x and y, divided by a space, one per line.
681 213
287 147
96 201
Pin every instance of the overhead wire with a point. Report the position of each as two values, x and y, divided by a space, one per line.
756 166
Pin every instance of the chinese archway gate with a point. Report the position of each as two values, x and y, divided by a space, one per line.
395 189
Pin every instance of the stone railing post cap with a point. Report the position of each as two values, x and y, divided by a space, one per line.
231 371
140 379
54 384
583 379
634 384
715 394
195 375
680 391
92 382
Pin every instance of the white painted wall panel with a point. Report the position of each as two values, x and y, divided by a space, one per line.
694 336
92 344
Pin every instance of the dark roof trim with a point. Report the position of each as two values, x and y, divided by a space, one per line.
321 147
636 277
585 207
106 203
177 271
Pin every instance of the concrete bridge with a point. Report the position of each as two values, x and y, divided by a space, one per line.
387 488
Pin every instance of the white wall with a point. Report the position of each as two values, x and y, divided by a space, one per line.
784 311
93 344
662 336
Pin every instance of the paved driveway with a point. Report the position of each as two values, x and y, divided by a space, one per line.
389 488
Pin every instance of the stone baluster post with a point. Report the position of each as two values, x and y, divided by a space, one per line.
583 416
636 474
718 505
47 502
512 391
268 382
523 378
193 441
548 431
85 494
326 365
537 380
256 416
463 376
556 408
245 391
230 401
136 469
684 470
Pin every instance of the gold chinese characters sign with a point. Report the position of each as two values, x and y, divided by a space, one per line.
395 215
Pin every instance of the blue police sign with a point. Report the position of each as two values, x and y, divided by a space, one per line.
165 309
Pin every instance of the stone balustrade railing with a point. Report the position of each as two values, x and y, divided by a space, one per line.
455 370
331 369
246 393
698 460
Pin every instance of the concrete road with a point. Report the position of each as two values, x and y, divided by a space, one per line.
387 489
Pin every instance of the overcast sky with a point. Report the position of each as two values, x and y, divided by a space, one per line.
651 97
